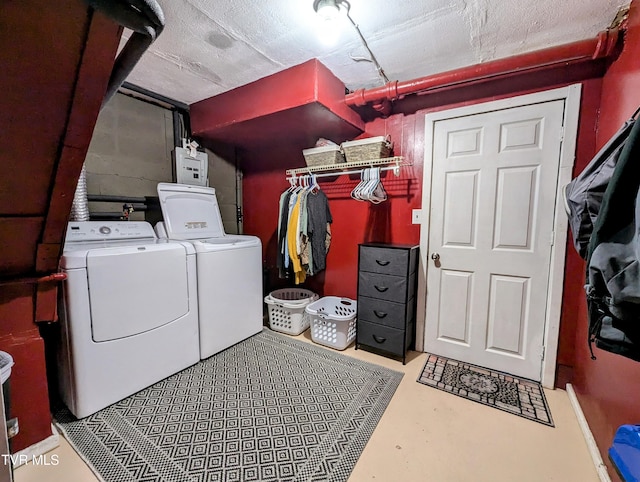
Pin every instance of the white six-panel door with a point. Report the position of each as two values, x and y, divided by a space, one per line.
493 194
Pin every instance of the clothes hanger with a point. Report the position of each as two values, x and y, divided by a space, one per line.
369 188
292 183
298 187
354 192
379 193
315 185
366 189
360 188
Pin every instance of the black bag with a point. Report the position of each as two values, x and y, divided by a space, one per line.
583 195
613 261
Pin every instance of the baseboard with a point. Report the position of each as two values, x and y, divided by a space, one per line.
601 468
37 449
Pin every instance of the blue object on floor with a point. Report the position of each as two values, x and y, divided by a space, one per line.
625 452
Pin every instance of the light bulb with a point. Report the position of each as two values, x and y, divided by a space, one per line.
328 11
329 22
329 32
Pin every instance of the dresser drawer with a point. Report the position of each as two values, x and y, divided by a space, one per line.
384 260
381 337
382 312
383 287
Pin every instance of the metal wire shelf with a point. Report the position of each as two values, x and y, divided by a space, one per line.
349 167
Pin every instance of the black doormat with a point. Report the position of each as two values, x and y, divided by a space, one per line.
490 387
269 408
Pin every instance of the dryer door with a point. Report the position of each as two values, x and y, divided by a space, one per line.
136 289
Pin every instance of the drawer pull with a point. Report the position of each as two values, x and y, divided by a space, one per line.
382 263
379 314
379 339
381 289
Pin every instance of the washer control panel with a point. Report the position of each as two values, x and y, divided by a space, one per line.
82 231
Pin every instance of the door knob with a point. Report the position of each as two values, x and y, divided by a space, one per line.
435 256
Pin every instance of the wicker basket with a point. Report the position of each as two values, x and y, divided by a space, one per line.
319 156
367 149
287 310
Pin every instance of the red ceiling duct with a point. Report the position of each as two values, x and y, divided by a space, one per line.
582 51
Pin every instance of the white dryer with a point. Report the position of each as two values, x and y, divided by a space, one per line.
130 313
229 266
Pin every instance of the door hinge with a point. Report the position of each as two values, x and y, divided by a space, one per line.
552 238
542 353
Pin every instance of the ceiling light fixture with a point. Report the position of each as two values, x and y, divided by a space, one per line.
327 9
330 9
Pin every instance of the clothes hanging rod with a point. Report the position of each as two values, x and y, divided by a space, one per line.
347 167
338 173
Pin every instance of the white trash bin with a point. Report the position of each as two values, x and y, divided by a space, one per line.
6 362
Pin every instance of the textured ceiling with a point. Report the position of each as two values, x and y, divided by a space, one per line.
209 47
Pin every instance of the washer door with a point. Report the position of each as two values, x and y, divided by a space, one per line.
136 289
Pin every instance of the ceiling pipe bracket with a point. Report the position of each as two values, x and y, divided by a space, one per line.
607 42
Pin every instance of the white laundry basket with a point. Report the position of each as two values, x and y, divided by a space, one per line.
333 321
286 309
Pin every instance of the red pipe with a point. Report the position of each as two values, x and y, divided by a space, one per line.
53 277
582 51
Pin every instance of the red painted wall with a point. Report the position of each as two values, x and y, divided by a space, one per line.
356 222
353 221
609 387
20 337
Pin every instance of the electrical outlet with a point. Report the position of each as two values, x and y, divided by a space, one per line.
416 216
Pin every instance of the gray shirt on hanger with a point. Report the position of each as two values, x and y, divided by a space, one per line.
319 215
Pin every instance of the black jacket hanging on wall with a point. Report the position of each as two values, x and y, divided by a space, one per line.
613 261
584 194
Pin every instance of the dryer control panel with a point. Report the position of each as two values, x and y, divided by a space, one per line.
83 231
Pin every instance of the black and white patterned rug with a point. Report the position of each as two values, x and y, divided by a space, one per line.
270 408
509 393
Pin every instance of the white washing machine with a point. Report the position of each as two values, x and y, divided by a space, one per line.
130 313
229 266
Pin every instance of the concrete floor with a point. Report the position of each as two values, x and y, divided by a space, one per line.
426 434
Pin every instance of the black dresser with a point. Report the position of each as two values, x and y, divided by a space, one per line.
387 282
